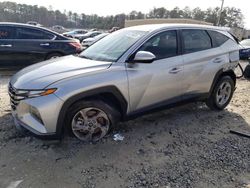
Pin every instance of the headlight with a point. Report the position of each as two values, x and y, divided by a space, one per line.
41 92
34 93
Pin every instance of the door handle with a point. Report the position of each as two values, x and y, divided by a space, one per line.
175 70
217 60
44 44
6 45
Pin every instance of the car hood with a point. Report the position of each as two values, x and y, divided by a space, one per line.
40 75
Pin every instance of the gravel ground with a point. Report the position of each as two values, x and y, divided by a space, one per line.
188 146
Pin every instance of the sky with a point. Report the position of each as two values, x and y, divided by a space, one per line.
111 7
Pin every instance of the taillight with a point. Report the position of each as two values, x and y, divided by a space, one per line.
77 45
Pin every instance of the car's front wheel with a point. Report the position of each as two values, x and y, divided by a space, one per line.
221 94
91 120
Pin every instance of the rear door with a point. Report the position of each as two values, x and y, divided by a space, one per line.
32 45
7 34
201 61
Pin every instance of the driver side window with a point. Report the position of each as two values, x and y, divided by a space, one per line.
162 45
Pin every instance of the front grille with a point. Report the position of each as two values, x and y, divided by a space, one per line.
15 97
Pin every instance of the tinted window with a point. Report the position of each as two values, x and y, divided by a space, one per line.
195 40
217 38
6 32
162 45
29 33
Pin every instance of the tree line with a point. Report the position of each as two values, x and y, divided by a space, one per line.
13 12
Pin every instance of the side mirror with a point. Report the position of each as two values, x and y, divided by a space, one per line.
144 57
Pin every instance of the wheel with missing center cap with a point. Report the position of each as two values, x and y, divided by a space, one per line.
90 121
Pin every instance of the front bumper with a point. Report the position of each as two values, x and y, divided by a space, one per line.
38 115
23 128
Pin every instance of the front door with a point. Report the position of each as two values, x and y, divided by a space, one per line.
161 80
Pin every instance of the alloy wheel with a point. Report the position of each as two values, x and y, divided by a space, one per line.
223 93
90 124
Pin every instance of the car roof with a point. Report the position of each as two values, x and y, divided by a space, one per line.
26 25
153 27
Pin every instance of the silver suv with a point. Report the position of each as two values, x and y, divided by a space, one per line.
129 72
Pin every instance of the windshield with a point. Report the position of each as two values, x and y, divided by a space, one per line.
113 46
245 42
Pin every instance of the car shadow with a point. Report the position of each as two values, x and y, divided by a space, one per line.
190 143
190 118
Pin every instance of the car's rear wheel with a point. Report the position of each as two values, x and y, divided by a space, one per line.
53 56
91 120
247 72
221 94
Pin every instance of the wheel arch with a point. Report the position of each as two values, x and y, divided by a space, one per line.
109 94
54 52
219 75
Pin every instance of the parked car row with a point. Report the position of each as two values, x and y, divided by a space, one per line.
25 44
86 37
82 34
89 41
75 33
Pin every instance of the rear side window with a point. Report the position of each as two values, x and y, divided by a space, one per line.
162 45
29 33
217 38
195 40
7 32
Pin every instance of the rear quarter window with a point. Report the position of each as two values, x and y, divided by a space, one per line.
6 32
218 39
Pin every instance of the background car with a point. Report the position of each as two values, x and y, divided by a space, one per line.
89 41
245 51
59 29
114 29
75 33
22 45
34 23
90 34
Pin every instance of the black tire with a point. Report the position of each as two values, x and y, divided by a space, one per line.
112 114
53 55
212 102
247 72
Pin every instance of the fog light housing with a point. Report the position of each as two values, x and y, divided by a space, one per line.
35 114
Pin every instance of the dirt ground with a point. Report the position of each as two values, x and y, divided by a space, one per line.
188 146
